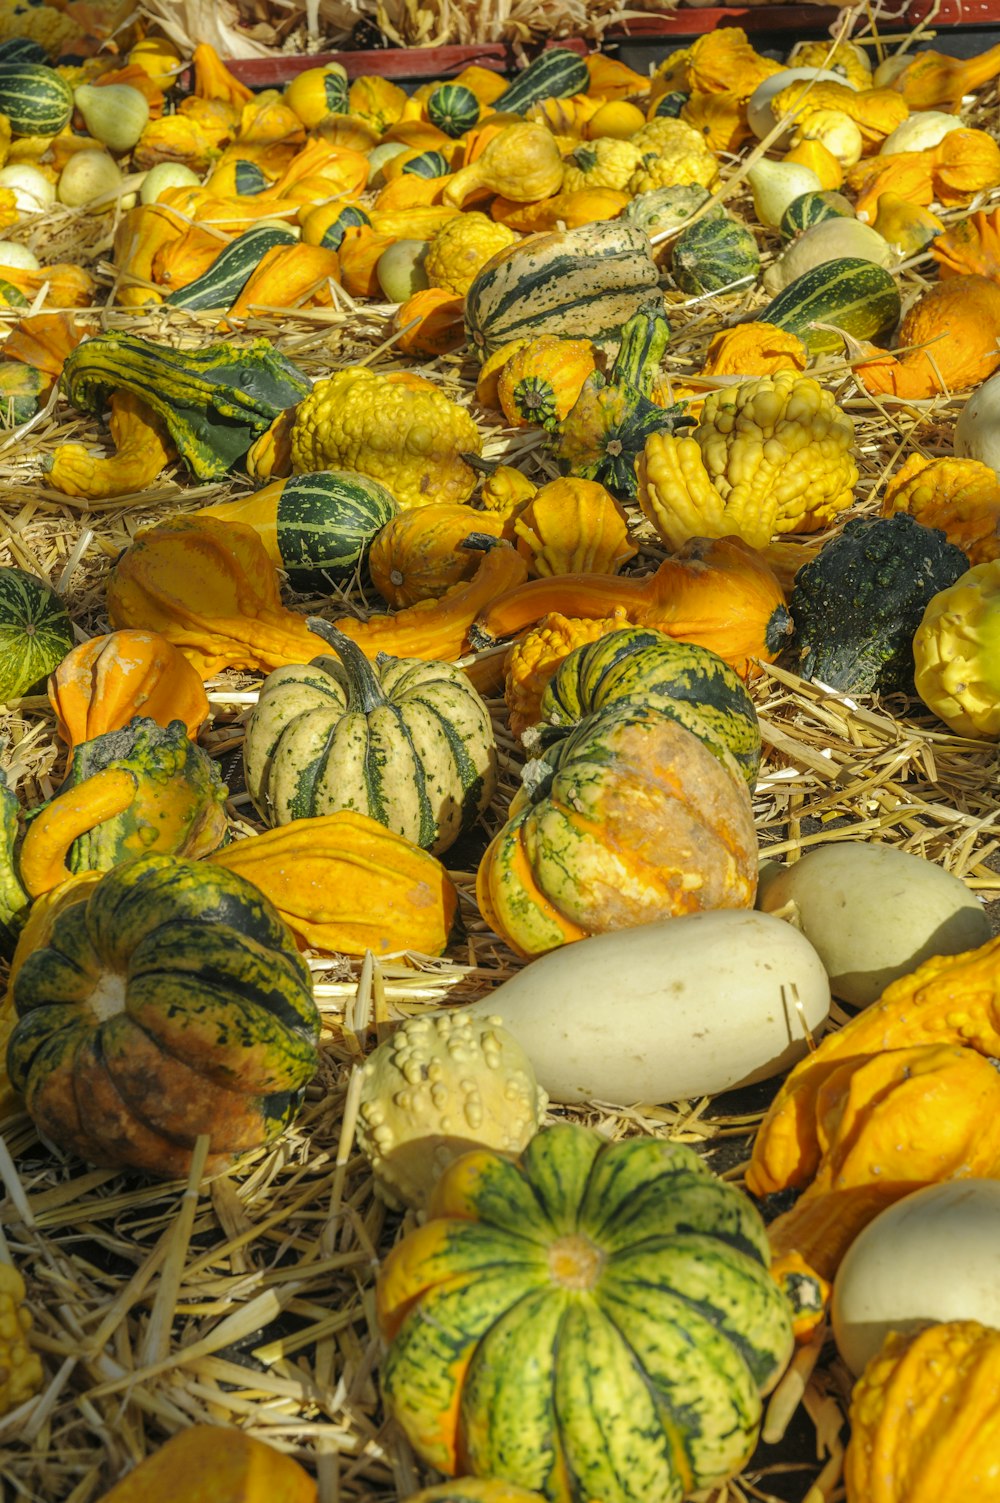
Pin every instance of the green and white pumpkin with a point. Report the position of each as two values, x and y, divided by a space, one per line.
35 632
453 108
405 741
593 1320
35 98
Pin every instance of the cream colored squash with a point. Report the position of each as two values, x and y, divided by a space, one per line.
920 131
666 1011
873 913
977 432
823 242
932 1256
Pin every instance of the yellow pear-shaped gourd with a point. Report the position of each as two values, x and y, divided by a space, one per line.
522 162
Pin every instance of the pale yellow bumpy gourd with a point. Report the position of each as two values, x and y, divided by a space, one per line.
20 1369
441 1086
769 456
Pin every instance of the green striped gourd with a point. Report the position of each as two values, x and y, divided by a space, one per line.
812 208
215 401
248 178
590 1320
35 632
14 900
22 50
453 108
314 525
428 164
714 252
583 283
172 999
404 741
222 283
855 296
350 217
36 99
556 73
669 106
638 665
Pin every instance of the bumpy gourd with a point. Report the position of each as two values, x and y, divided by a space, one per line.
923 1418
535 657
954 652
437 1088
961 497
21 1374
461 248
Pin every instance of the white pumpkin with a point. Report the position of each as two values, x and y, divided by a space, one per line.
933 1256
977 432
873 913
668 1011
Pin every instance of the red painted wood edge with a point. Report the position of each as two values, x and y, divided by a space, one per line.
418 63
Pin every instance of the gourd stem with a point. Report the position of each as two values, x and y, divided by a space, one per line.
364 690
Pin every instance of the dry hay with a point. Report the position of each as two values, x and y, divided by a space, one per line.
248 1298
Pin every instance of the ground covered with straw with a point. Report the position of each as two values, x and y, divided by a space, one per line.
247 1297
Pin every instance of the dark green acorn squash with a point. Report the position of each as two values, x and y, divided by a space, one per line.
405 741
35 632
641 666
856 607
593 1320
215 401
169 1002
715 252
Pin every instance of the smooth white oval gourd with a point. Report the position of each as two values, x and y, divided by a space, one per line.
776 184
977 432
873 913
933 1256
920 132
663 1012
760 115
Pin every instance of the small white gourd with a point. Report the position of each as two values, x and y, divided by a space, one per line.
163 176
377 158
775 184
977 432
18 256
88 174
114 114
400 270
33 191
920 132
827 241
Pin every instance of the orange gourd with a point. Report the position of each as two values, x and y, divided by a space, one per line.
437 323
718 593
582 206
542 379
143 449
961 497
418 555
950 999
532 662
573 526
101 684
972 245
959 322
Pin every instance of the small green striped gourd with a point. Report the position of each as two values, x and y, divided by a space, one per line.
592 1320
249 178
584 283
812 208
222 283
351 216
173 1000
35 632
556 73
404 741
36 99
314 525
453 108
428 164
714 252
638 665
852 295
22 50
669 106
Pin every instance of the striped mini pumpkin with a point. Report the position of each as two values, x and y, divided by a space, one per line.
404 741
453 108
35 632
